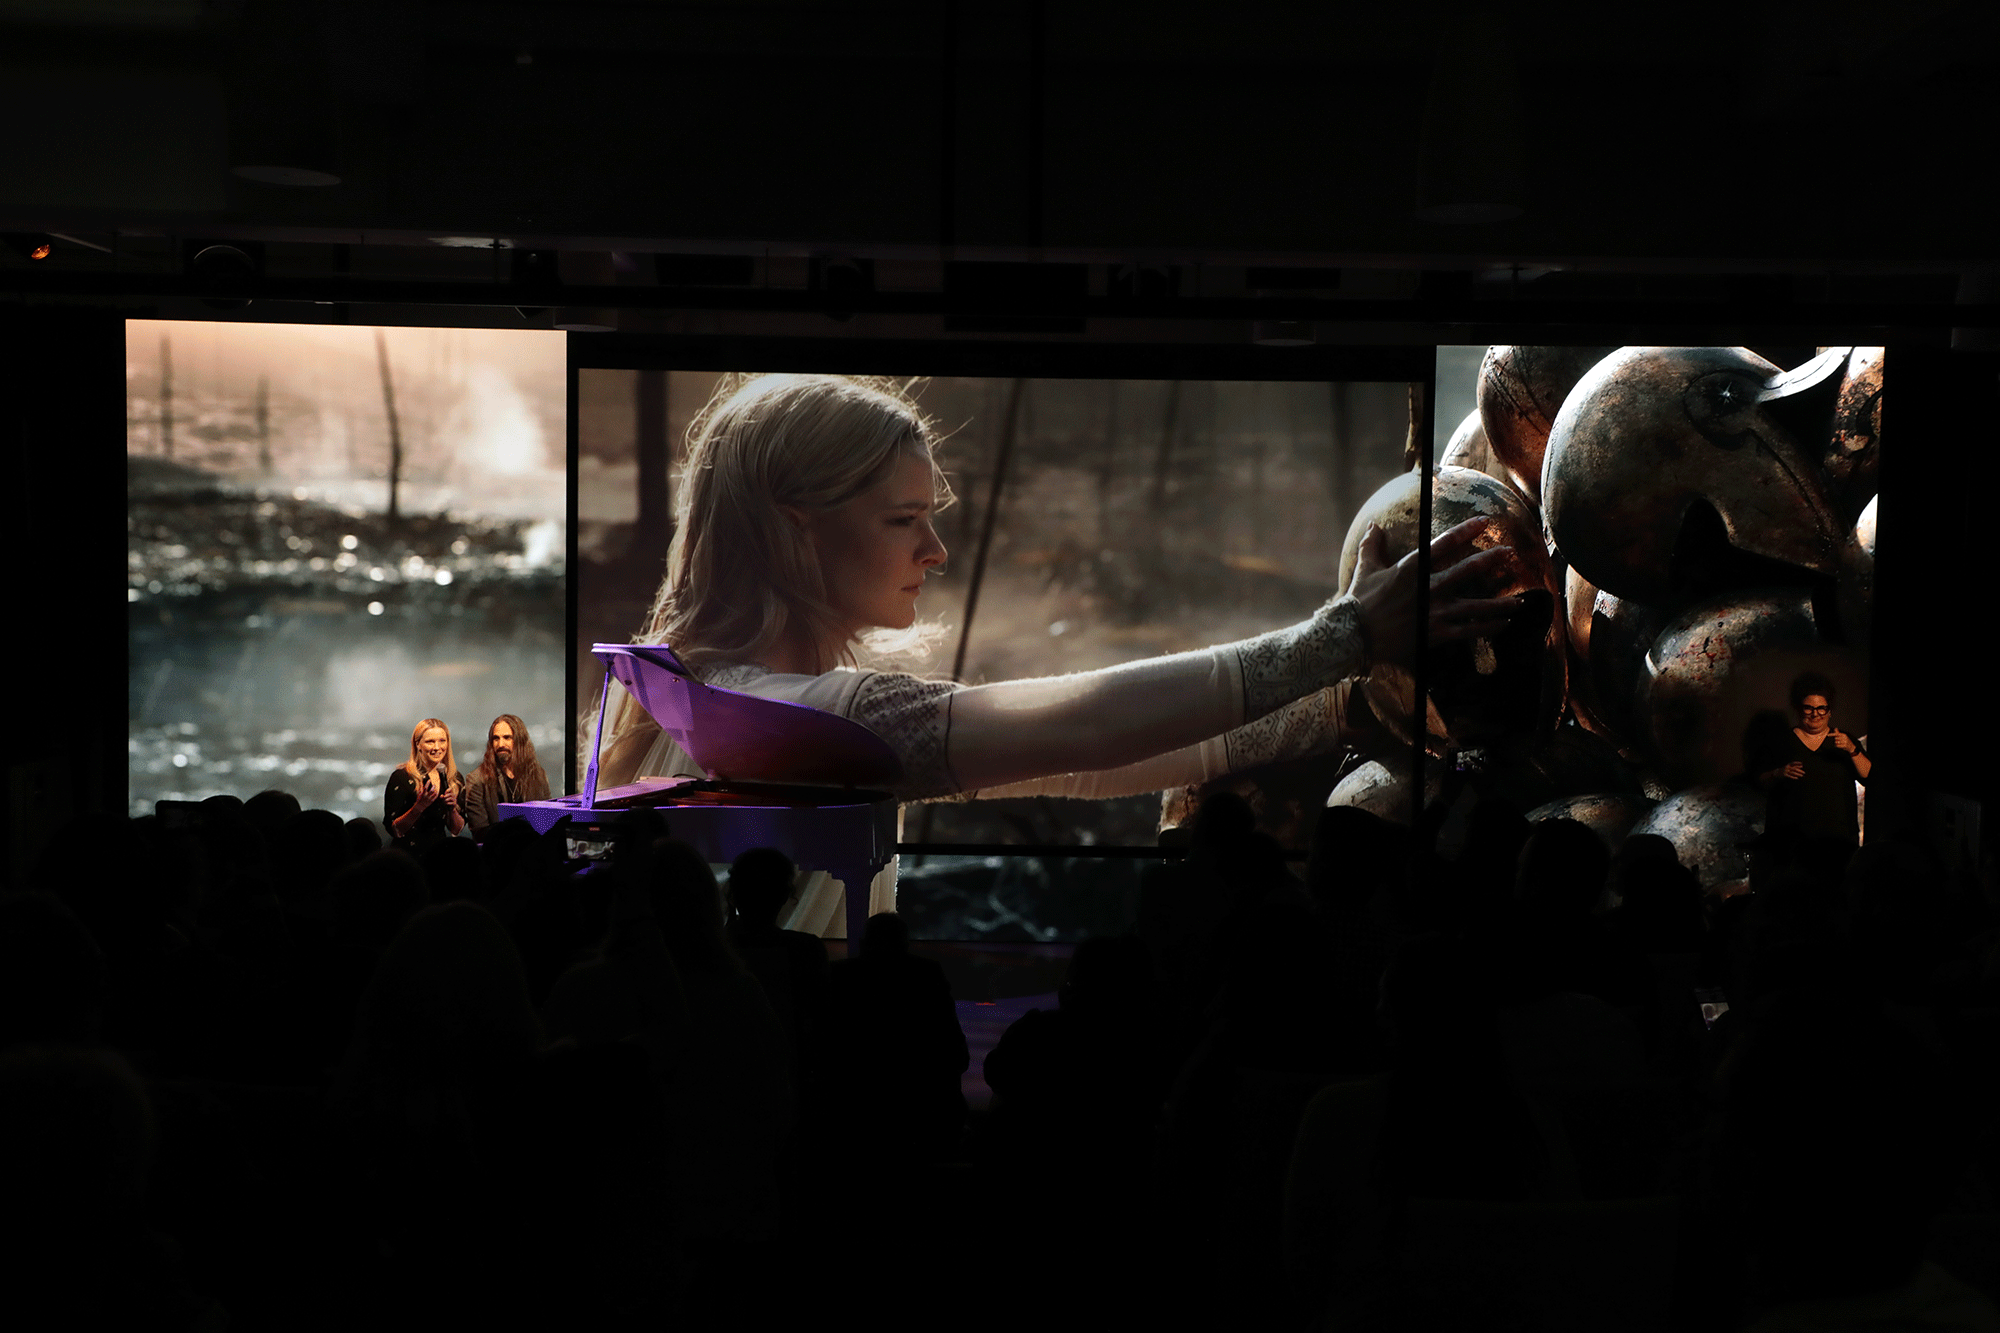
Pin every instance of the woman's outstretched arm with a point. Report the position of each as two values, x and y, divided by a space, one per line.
1116 730
981 737
1017 730
1313 725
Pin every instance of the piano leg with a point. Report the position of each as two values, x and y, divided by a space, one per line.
857 883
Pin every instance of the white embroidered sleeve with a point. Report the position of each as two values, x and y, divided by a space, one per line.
1290 663
914 716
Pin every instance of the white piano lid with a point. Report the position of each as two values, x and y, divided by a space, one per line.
738 737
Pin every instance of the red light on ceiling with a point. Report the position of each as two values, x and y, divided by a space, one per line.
42 251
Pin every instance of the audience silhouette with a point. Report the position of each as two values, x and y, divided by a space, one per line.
257 1071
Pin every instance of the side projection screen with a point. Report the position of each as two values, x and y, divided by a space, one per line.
1708 516
332 533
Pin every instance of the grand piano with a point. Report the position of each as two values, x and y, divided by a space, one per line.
780 774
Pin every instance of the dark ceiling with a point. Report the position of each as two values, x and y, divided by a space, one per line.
663 166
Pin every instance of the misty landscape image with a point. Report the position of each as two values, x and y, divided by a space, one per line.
333 532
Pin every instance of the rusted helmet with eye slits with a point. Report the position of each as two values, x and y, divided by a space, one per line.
1668 464
1521 389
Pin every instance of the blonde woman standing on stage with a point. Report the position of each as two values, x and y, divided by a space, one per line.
421 803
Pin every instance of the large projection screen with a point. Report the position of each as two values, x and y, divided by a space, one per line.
1133 517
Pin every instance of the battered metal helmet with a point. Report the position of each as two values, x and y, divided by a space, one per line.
1511 684
1469 448
1609 638
1667 466
1717 667
1853 448
1712 828
1385 791
1856 596
1610 815
1521 389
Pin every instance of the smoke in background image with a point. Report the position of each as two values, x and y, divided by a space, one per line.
331 533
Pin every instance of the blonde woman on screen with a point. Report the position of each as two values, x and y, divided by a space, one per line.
804 531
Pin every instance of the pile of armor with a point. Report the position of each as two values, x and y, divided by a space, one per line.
1692 527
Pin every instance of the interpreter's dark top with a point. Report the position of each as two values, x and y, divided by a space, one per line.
432 825
483 798
1819 805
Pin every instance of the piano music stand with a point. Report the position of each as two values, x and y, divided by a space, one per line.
781 775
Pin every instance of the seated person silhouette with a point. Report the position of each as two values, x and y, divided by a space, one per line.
790 964
891 1051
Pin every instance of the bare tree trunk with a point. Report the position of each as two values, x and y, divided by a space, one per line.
655 524
967 507
264 424
1107 471
1340 460
166 397
1010 427
1163 461
1259 442
395 432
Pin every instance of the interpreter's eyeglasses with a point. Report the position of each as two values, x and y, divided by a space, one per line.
1814 708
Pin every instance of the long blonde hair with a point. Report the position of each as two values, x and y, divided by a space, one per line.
741 576
414 765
